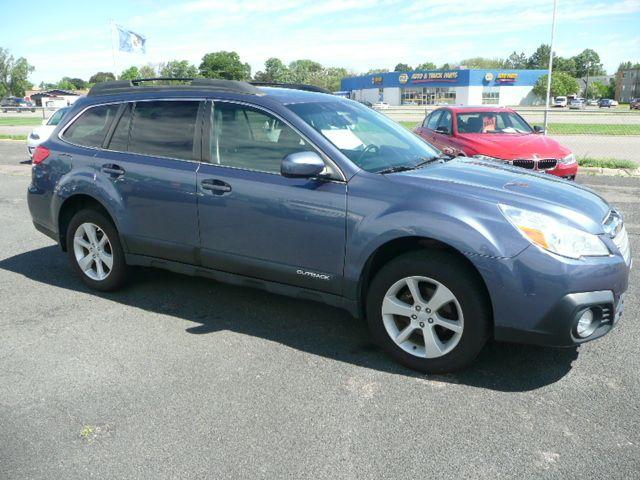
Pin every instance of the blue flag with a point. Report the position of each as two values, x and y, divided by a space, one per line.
130 41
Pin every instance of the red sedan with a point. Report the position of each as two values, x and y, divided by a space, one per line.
498 133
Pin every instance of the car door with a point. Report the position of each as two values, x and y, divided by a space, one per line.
150 164
444 132
428 130
254 221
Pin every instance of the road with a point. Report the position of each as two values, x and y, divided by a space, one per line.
179 377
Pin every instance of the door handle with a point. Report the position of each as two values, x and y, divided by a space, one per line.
217 187
112 169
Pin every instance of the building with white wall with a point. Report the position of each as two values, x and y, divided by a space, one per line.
440 87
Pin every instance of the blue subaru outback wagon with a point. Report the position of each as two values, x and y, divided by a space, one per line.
310 195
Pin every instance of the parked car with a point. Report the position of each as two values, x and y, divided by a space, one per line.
578 104
381 106
15 104
41 133
560 102
366 103
607 103
592 103
499 133
319 197
634 104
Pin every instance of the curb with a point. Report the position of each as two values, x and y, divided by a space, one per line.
610 172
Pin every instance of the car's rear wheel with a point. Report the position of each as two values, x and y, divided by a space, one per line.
429 311
94 250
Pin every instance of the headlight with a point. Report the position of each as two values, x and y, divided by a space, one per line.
34 136
554 236
568 160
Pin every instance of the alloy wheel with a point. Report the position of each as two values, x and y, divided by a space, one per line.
93 251
422 316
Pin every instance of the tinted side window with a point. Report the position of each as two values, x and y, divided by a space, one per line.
91 127
164 128
445 120
433 119
244 137
120 139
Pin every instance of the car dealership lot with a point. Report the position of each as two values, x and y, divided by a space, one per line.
186 378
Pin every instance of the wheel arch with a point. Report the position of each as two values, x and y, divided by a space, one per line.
401 245
73 204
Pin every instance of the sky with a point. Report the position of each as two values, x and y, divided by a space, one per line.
73 38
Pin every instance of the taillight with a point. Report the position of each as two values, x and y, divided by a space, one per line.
40 154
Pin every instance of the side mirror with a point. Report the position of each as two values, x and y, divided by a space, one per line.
443 130
538 129
302 165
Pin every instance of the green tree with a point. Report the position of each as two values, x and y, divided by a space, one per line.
226 65
567 65
102 77
78 83
516 61
426 66
178 69
562 84
148 71
597 90
588 63
627 66
130 73
540 58
482 62
402 67
305 71
65 84
274 71
13 74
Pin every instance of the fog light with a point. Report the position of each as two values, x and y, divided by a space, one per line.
587 324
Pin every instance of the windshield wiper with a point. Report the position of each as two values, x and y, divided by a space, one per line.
404 168
397 168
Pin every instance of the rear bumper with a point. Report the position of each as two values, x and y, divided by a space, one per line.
537 297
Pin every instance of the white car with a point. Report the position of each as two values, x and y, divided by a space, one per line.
381 106
43 132
560 102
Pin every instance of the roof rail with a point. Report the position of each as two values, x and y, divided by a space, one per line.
295 86
138 84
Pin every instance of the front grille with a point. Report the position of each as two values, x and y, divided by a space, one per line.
529 164
547 163
544 164
622 242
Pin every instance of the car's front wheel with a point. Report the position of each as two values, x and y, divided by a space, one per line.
94 250
429 311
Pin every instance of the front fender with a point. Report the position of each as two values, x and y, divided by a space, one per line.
477 229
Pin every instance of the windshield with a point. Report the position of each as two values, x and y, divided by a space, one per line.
366 137
57 116
492 122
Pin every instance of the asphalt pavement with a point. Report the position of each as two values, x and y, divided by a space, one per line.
179 377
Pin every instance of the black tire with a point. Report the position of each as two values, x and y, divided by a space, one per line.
452 272
117 275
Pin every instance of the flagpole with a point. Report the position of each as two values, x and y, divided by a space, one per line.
113 50
549 73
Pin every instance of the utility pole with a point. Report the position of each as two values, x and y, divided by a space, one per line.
553 34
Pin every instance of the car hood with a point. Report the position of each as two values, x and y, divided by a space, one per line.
512 146
496 182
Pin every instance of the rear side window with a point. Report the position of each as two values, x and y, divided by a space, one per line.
91 127
120 139
433 120
163 128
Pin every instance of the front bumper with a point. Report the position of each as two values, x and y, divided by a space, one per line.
537 297
565 171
